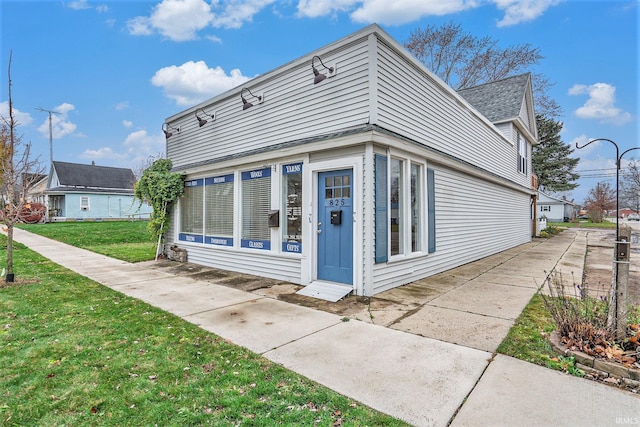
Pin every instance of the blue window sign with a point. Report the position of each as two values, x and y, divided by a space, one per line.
218 179
194 183
191 238
293 168
256 244
257 174
295 247
220 241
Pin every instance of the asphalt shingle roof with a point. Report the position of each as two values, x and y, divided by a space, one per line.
92 176
500 100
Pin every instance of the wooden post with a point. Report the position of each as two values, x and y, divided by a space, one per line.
619 296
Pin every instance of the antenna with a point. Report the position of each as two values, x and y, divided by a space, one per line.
50 131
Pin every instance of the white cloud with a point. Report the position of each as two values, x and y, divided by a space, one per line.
314 9
136 149
122 105
78 5
102 153
402 11
140 26
601 104
127 123
60 123
236 13
22 119
194 82
517 11
181 20
84 4
140 146
383 11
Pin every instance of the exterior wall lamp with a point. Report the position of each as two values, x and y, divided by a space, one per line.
201 121
246 104
167 128
331 71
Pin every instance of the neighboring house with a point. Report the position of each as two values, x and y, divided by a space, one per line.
80 192
37 188
374 177
555 209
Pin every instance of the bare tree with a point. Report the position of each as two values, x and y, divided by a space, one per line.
630 186
19 173
600 199
139 169
463 60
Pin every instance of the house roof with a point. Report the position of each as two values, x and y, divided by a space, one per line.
74 176
498 101
544 198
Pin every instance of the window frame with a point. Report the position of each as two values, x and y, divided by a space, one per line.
411 246
262 207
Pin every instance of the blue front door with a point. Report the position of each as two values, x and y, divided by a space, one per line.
335 226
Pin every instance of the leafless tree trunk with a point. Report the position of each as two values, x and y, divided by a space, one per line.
19 173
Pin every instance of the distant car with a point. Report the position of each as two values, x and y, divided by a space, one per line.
583 217
633 217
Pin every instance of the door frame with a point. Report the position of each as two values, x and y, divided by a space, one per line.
311 262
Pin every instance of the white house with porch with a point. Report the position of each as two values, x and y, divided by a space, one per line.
353 168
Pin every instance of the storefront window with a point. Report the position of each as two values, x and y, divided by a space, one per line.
397 207
256 203
219 210
292 198
191 211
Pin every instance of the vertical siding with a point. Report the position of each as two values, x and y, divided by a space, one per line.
293 108
413 104
474 219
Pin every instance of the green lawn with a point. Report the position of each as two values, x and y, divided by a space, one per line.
73 352
124 240
606 225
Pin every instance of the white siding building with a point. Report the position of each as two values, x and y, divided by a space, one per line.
377 176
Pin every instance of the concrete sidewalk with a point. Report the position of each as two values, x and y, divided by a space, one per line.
427 360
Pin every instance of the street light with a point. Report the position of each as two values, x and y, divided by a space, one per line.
617 317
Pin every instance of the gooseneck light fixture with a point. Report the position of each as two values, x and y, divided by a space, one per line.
318 75
167 128
246 104
201 121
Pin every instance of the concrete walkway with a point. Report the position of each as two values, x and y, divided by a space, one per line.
427 360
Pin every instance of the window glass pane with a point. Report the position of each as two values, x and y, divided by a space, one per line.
219 206
328 193
396 193
292 191
346 192
328 181
191 205
346 180
256 203
416 203
337 192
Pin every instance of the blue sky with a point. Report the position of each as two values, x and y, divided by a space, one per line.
114 70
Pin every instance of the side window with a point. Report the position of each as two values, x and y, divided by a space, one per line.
522 154
191 211
84 203
218 225
292 200
256 203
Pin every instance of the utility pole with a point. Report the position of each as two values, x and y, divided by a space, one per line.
50 131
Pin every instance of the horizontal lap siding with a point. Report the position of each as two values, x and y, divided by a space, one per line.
293 108
255 262
414 105
474 219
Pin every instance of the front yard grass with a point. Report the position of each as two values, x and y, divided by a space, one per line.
73 352
528 339
125 240
605 225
